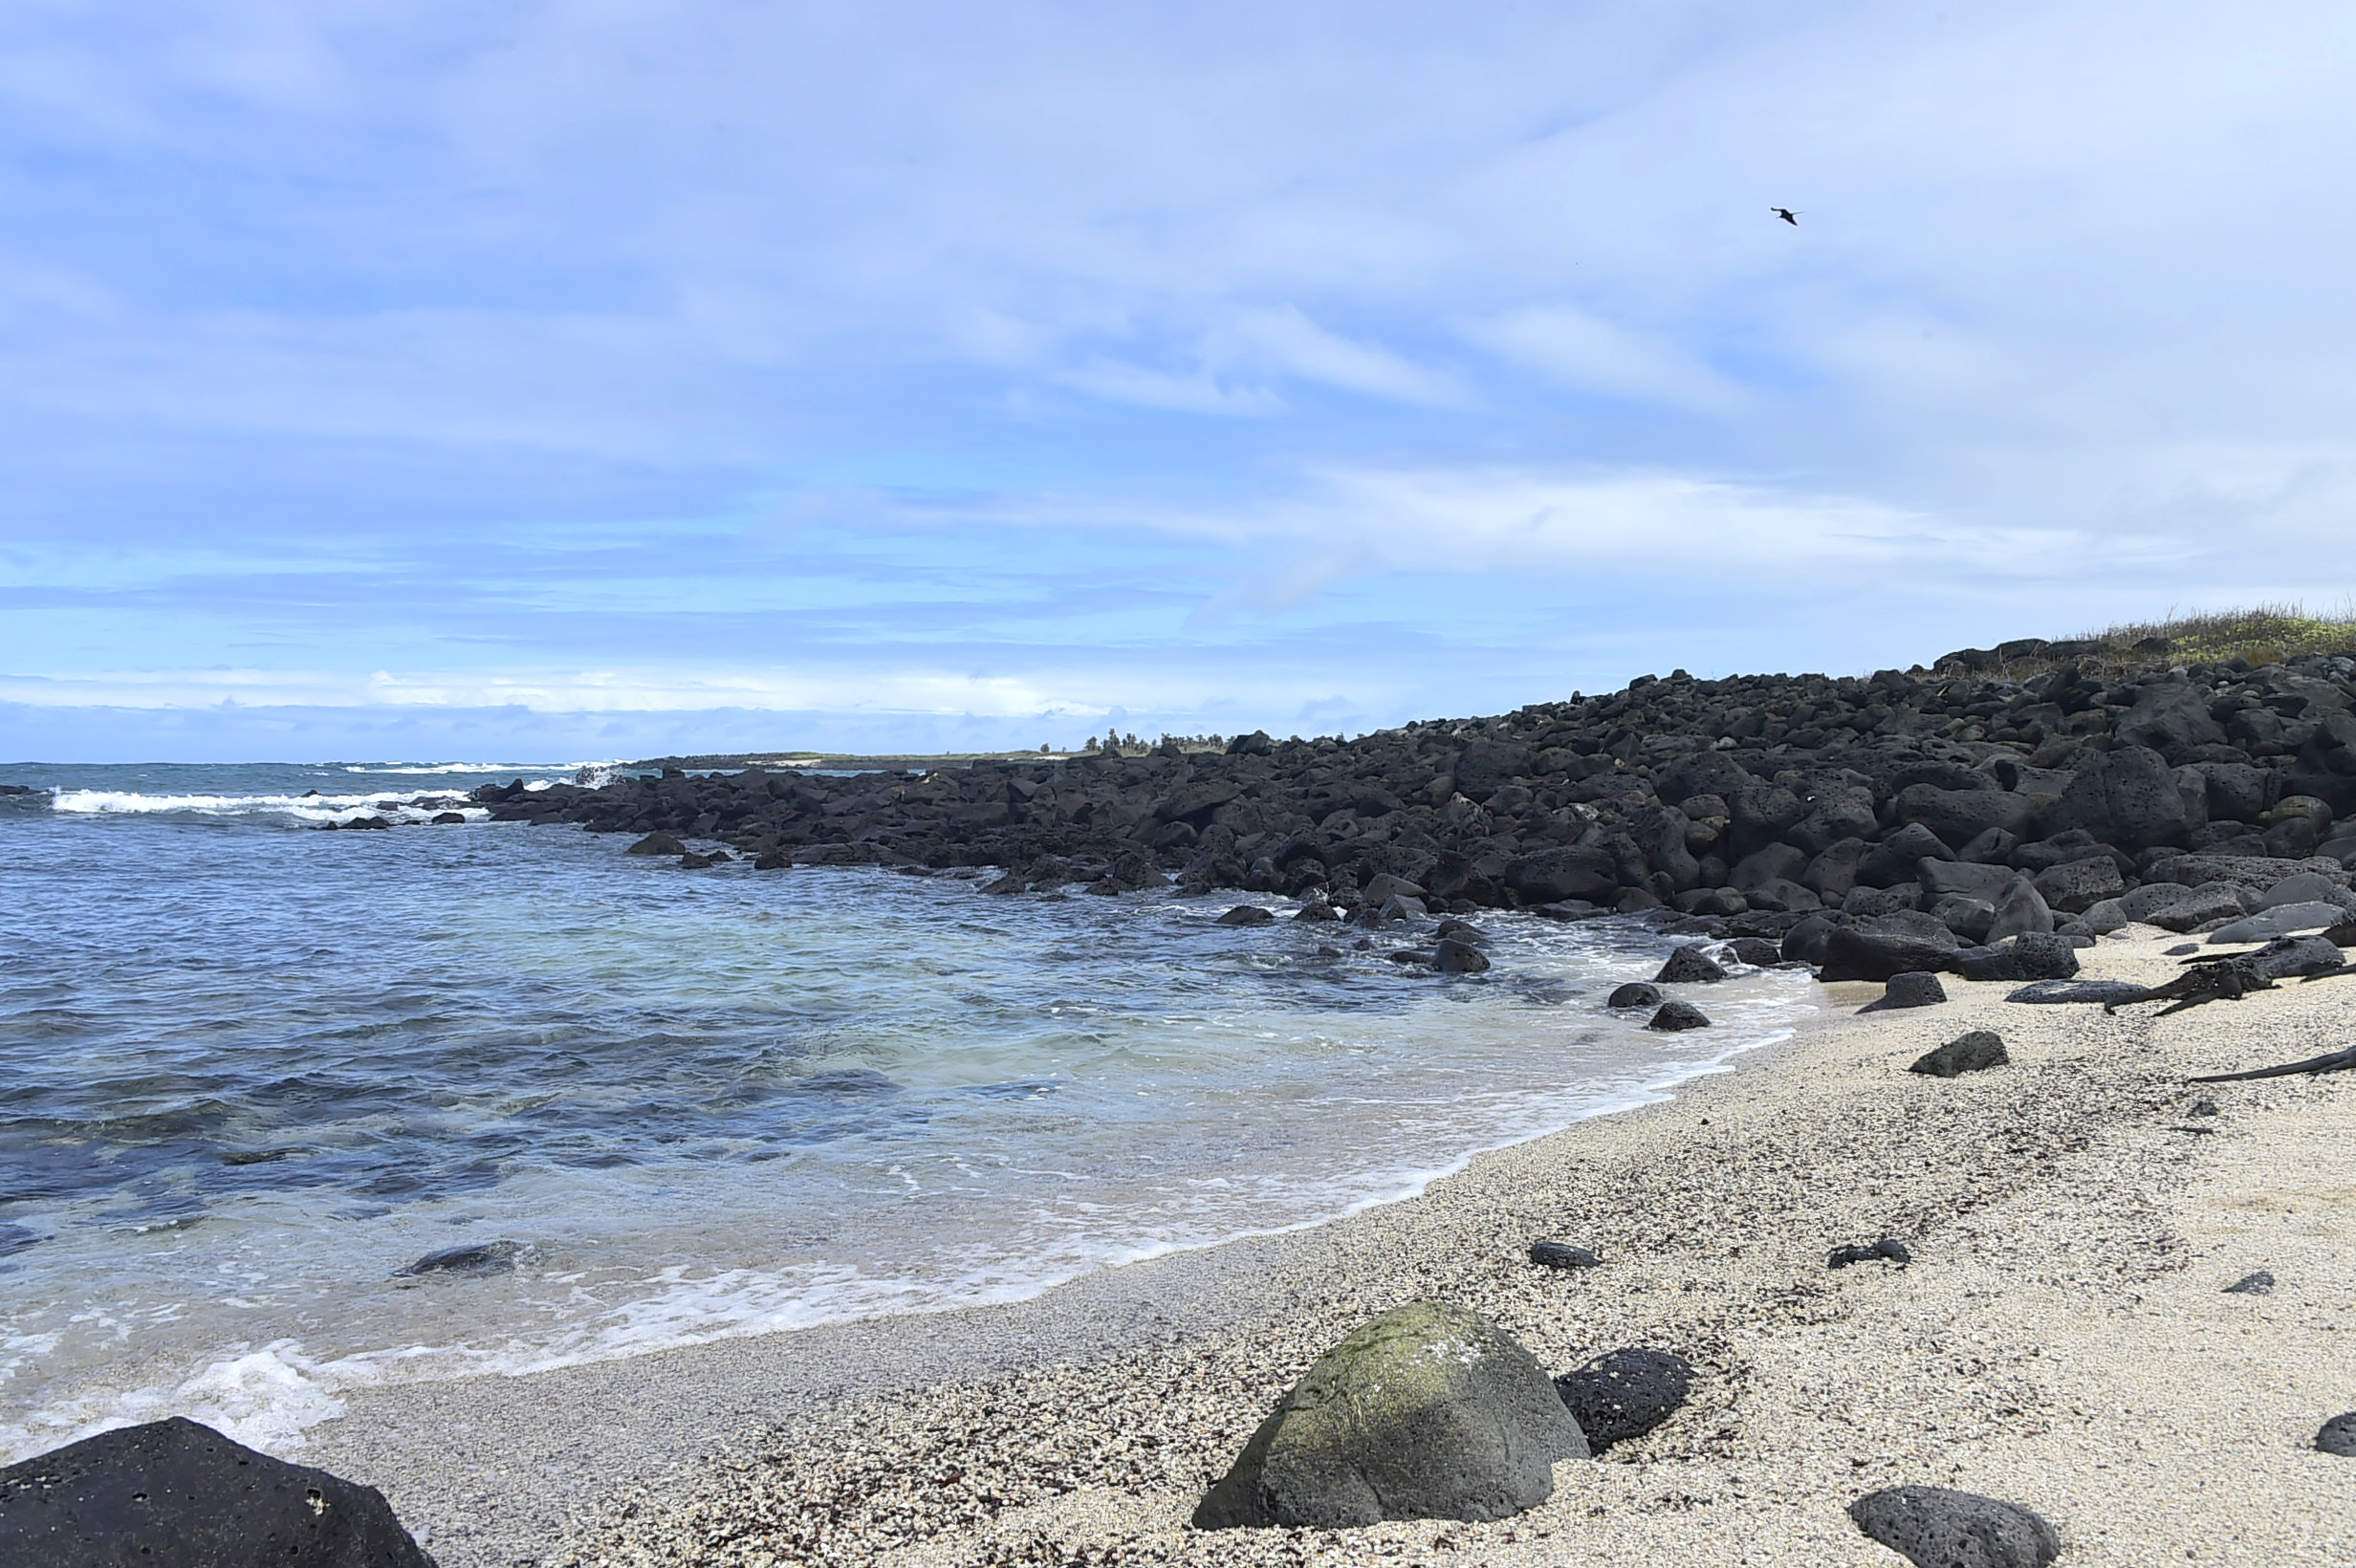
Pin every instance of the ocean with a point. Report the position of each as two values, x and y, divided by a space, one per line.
251 1071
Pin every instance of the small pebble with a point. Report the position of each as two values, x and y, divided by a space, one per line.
2261 1284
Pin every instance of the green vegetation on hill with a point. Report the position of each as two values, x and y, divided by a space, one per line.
2265 634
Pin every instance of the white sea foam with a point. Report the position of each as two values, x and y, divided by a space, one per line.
301 808
417 769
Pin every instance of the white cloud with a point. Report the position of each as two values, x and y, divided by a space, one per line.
1199 392
1581 349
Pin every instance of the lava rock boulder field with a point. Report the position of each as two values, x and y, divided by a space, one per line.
1993 810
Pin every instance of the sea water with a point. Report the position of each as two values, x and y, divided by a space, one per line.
250 1071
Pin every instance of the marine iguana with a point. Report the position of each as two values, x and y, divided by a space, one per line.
2231 979
2336 1062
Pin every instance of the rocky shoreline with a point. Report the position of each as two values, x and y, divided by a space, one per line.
1747 806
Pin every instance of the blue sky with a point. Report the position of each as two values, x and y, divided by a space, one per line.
602 379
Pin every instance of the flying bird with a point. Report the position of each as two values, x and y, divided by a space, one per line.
1786 214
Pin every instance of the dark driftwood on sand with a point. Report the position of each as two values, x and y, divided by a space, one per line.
2336 1061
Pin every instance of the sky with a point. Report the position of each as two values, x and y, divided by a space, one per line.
585 379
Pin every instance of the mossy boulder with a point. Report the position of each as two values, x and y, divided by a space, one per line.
1429 1411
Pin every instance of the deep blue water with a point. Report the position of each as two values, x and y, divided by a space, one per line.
249 1070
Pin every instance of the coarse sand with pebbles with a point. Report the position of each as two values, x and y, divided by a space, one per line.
2061 1340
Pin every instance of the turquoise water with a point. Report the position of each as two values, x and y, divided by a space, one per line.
250 1069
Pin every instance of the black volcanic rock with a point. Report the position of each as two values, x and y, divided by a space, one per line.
1688 966
1973 1053
1747 796
1622 1394
1932 1527
179 1494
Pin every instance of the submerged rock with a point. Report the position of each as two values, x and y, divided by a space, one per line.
657 843
179 1494
1246 914
1429 1411
1635 993
483 1257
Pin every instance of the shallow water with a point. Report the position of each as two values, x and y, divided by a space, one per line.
249 1071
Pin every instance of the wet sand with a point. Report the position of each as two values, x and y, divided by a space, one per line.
2062 1339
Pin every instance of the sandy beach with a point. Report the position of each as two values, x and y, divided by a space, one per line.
2062 1339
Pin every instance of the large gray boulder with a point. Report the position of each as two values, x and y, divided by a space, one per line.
2076 886
1960 815
2020 912
176 1495
1889 945
2128 797
2281 920
1970 880
1934 1528
1429 1411
2199 906
1553 875
2172 718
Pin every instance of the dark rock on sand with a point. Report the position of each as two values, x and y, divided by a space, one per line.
1562 1255
2046 991
2035 956
1677 1016
1429 1411
657 843
1973 1053
1886 947
1635 993
2339 1436
1622 1394
483 1257
1917 987
1688 966
2261 1284
1246 914
1887 1250
1934 1528
177 1494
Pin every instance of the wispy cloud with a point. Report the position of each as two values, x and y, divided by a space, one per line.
1309 352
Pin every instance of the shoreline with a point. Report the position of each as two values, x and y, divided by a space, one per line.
399 1435
2061 1340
